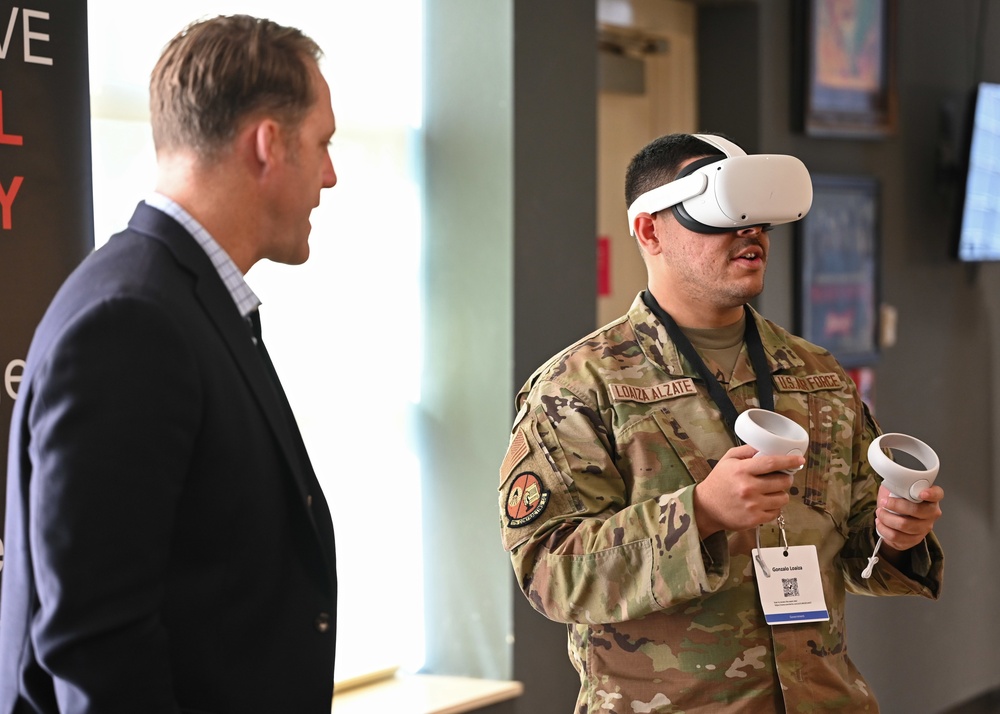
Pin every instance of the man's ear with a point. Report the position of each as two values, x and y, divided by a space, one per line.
646 233
268 143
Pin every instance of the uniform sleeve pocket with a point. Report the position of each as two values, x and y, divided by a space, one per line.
531 490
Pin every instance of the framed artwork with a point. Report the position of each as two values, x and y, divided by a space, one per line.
849 84
837 250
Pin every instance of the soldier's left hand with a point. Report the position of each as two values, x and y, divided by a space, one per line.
902 523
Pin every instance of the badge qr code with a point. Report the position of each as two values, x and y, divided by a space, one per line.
790 587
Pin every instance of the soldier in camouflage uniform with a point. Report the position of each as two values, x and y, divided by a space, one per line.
629 509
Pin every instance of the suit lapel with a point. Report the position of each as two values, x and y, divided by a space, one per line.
220 309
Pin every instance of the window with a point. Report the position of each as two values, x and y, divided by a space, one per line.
344 329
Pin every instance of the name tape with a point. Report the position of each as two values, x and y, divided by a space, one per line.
655 393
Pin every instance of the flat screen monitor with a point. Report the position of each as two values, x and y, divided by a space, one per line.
979 235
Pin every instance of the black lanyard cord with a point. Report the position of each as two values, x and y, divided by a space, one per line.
755 347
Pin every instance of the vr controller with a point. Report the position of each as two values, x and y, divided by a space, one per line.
904 482
771 433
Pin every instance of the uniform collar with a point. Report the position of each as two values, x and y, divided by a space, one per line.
654 343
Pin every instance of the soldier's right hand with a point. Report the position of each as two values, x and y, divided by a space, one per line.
743 491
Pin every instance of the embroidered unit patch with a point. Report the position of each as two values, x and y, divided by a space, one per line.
526 499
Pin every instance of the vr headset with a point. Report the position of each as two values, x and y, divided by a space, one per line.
722 194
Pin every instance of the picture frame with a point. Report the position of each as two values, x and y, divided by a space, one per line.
837 277
849 69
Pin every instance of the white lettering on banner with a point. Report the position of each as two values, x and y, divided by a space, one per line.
29 36
12 377
26 17
10 31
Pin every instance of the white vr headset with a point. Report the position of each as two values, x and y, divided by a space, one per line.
720 194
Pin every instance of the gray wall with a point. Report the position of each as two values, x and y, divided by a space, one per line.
510 263
555 256
937 383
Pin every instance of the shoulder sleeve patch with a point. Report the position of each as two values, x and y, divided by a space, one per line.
526 499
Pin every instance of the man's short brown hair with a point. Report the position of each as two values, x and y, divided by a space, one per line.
217 73
660 160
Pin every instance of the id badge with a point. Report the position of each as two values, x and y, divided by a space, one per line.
791 589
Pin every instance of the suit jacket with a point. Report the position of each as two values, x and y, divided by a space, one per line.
168 547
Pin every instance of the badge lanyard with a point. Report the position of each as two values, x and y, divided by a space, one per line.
758 359
799 596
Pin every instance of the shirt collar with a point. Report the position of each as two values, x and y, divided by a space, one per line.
245 299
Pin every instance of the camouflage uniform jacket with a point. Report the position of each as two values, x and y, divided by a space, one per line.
596 511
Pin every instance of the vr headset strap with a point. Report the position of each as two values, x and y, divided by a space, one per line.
724 145
667 195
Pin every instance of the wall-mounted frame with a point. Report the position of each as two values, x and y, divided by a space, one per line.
849 83
837 251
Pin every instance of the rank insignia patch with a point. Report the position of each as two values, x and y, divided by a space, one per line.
526 499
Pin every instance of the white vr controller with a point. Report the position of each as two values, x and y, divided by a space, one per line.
904 482
771 433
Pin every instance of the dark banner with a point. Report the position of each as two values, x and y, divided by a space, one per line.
46 205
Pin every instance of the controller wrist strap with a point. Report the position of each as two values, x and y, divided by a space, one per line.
867 572
755 349
900 481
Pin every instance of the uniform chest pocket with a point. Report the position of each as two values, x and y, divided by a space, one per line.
656 455
826 483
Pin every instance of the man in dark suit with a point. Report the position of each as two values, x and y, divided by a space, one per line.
169 548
